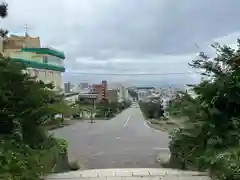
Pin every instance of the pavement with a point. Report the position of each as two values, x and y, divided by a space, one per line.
126 141
130 174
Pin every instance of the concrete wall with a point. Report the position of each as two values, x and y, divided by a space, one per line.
47 76
18 42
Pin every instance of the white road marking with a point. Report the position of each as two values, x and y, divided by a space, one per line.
98 154
126 122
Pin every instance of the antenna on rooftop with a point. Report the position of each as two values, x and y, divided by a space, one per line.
26 30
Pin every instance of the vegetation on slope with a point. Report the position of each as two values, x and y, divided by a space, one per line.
210 139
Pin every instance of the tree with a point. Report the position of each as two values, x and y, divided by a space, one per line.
27 152
24 103
133 94
3 14
152 109
214 115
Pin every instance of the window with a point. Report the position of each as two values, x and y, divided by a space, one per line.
45 59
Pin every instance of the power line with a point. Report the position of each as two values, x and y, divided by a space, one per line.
134 74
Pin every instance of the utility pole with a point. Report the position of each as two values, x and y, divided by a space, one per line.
92 111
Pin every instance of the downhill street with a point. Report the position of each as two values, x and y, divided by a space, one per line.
123 142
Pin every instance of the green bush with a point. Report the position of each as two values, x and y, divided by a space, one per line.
152 110
19 161
110 109
226 165
63 145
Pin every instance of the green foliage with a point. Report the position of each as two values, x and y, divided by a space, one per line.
25 103
109 109
213 124
3 14
152 109
63 144
61 108
228 164
133 94
19 161
26 151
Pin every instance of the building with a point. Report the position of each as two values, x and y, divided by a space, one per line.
83 86
97 89
112 95
67 87
123 94
104 89
100 89
71 98
45 63
88 98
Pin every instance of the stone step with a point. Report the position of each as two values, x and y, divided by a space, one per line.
130 174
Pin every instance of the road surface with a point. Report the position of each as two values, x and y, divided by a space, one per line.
123 142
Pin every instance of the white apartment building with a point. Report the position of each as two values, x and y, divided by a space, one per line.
45 63
123 94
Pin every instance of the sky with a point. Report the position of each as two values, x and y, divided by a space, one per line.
108 37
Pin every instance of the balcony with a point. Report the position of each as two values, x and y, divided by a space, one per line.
45 50
39 65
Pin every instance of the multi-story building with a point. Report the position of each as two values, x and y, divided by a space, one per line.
112 95
123 94
97 89
67 87
45 63
83 86
104 89
100 89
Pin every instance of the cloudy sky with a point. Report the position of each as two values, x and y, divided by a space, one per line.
127 36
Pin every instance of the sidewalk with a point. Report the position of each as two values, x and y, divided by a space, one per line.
130 174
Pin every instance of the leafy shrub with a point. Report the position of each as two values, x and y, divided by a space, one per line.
152 110
110 109
19 161
63 144
226 165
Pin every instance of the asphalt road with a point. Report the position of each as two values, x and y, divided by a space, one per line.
123 142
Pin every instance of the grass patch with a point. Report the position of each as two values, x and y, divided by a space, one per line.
163 125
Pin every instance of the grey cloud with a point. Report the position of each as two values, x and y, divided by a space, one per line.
105 30
158 28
